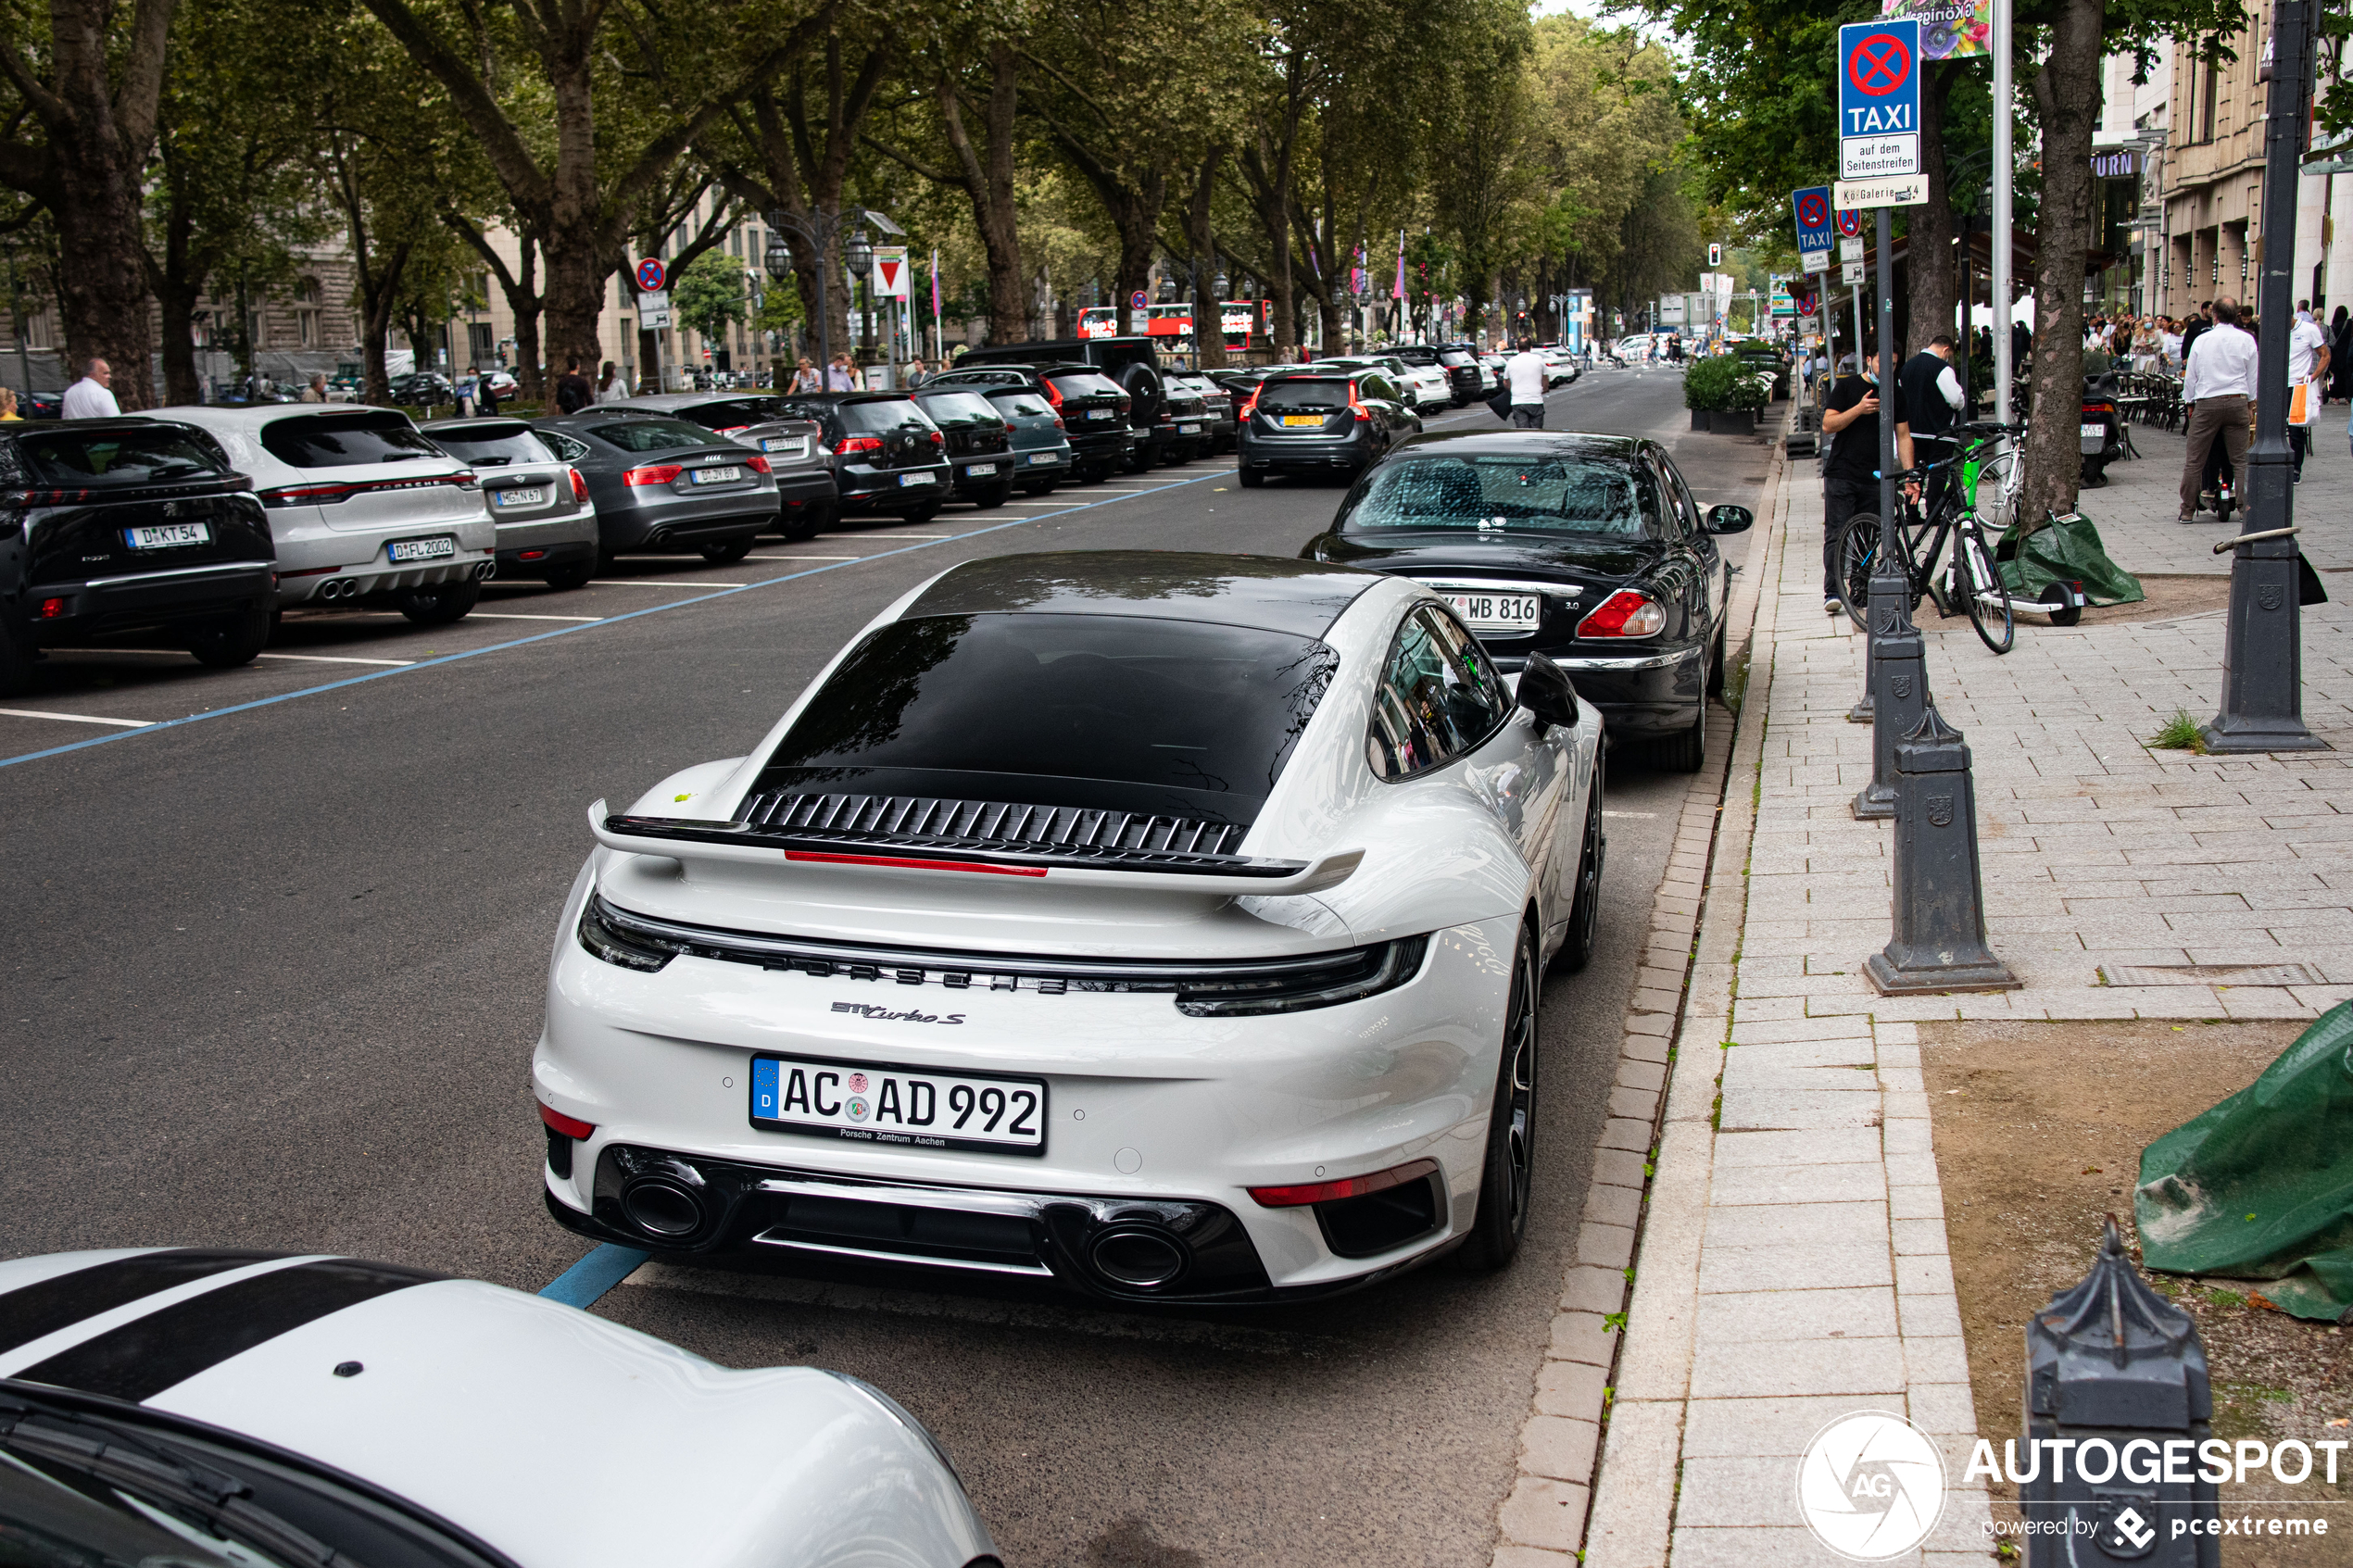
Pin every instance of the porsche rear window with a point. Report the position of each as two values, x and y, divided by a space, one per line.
120 454
1102 711
1536 492
344 441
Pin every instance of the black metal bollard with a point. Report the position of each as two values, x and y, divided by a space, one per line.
1897 690
1939 943
2117 1400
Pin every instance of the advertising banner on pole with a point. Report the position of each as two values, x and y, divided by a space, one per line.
1950 29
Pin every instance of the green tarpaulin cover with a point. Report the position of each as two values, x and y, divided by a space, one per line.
2065 548
2260 1187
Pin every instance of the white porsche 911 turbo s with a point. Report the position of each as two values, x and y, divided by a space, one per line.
1166 926
203 1408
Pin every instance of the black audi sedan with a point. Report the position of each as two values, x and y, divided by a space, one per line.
1586 548
124 525
1320 422
662 485
887 455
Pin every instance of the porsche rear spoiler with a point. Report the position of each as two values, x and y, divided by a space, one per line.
1231 876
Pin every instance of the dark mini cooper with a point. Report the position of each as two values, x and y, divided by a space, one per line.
121 525
1586 548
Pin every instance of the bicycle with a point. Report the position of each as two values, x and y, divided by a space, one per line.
1950 513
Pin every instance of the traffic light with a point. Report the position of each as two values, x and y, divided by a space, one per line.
1714 259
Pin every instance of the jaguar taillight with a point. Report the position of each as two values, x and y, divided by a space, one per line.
1626 613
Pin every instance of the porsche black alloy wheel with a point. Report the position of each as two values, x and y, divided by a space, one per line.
1585 909
440 603
1508 1182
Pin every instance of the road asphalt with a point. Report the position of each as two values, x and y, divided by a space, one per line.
278 965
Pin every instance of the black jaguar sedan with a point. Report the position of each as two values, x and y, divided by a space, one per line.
1586 548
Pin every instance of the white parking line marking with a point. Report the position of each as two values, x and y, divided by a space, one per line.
804 557
331 658
726 590
659 582
516 615
76 718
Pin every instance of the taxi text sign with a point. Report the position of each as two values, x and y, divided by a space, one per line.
1879 99
1812 209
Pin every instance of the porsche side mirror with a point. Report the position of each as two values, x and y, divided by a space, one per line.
1544 690
1730 520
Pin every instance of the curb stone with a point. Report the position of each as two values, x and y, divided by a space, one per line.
1682 989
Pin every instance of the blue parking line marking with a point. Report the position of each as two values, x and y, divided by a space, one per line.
582 1283
161 725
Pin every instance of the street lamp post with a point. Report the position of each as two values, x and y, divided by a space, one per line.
816 229
2262 651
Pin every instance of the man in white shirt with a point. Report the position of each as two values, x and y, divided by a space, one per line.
2218 387
88 398
1525 372
2307 361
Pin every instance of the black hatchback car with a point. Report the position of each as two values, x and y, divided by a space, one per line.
885 453
121 525
1586 548
1320 422
1168 424
980 454
1092 407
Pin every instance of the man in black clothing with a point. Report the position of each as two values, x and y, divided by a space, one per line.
1849 479
572 390
1929 394
2197 323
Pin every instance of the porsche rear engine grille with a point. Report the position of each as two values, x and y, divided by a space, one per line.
1120 837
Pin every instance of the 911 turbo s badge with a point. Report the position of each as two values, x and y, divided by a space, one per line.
866 1009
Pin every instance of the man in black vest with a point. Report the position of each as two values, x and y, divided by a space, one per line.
1929 402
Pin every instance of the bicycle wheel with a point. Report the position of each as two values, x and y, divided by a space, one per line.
1989 602
1857 552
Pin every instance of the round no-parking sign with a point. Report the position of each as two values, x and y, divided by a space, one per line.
650 274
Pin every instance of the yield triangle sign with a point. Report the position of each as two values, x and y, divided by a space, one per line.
891 274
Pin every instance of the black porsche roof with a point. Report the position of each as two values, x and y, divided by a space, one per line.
1267 593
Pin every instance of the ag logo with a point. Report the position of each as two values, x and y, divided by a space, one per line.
2126 1522
1871 1486
1940 811
2269 596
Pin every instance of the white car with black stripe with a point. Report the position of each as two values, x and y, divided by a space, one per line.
204 1408
1153 925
